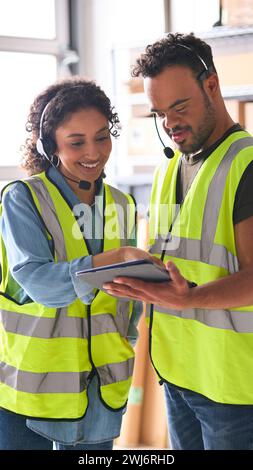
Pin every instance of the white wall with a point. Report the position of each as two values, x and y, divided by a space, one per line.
193 15
106 23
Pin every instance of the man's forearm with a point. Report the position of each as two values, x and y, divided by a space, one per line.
228 292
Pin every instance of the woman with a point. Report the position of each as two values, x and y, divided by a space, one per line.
66 356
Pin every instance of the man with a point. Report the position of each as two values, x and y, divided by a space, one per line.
201 338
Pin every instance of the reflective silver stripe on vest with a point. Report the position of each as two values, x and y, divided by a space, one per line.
238 321
62 325
51 220
65 327
50 382
116 372
162 173
193 250
62 382
123 316
49 216
148 310
215 194
122 202
205 250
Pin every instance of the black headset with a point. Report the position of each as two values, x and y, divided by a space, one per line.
45 141
168 151
41 141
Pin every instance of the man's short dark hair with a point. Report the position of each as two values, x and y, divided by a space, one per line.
167 52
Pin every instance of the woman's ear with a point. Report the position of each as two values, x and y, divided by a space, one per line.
49 146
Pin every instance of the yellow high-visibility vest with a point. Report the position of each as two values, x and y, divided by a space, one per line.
208 351
47 354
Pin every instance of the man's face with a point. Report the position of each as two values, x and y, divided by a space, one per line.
187 111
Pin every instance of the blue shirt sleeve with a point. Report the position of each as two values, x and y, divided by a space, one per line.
30 257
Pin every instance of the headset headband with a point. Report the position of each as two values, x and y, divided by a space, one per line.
197 55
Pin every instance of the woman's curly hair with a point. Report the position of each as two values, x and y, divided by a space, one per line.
166 53
62 98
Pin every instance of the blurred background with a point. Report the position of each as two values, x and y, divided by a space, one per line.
42 40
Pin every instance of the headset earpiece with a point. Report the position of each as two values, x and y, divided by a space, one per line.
45 147
40 148
42 142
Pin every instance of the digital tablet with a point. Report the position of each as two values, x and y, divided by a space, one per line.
140 269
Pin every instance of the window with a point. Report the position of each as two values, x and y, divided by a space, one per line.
194 15
34 38
25 76
29 11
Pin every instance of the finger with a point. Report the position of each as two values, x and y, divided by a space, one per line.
131 282
121 290
127 291
175 275
123 295
119 295
158 261
115 293
117 280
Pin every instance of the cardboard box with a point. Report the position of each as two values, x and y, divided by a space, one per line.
135 85
237 12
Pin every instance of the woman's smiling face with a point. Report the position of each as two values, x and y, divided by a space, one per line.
84 144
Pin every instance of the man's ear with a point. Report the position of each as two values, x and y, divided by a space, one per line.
211 84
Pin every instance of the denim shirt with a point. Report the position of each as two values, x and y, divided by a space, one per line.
32 265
